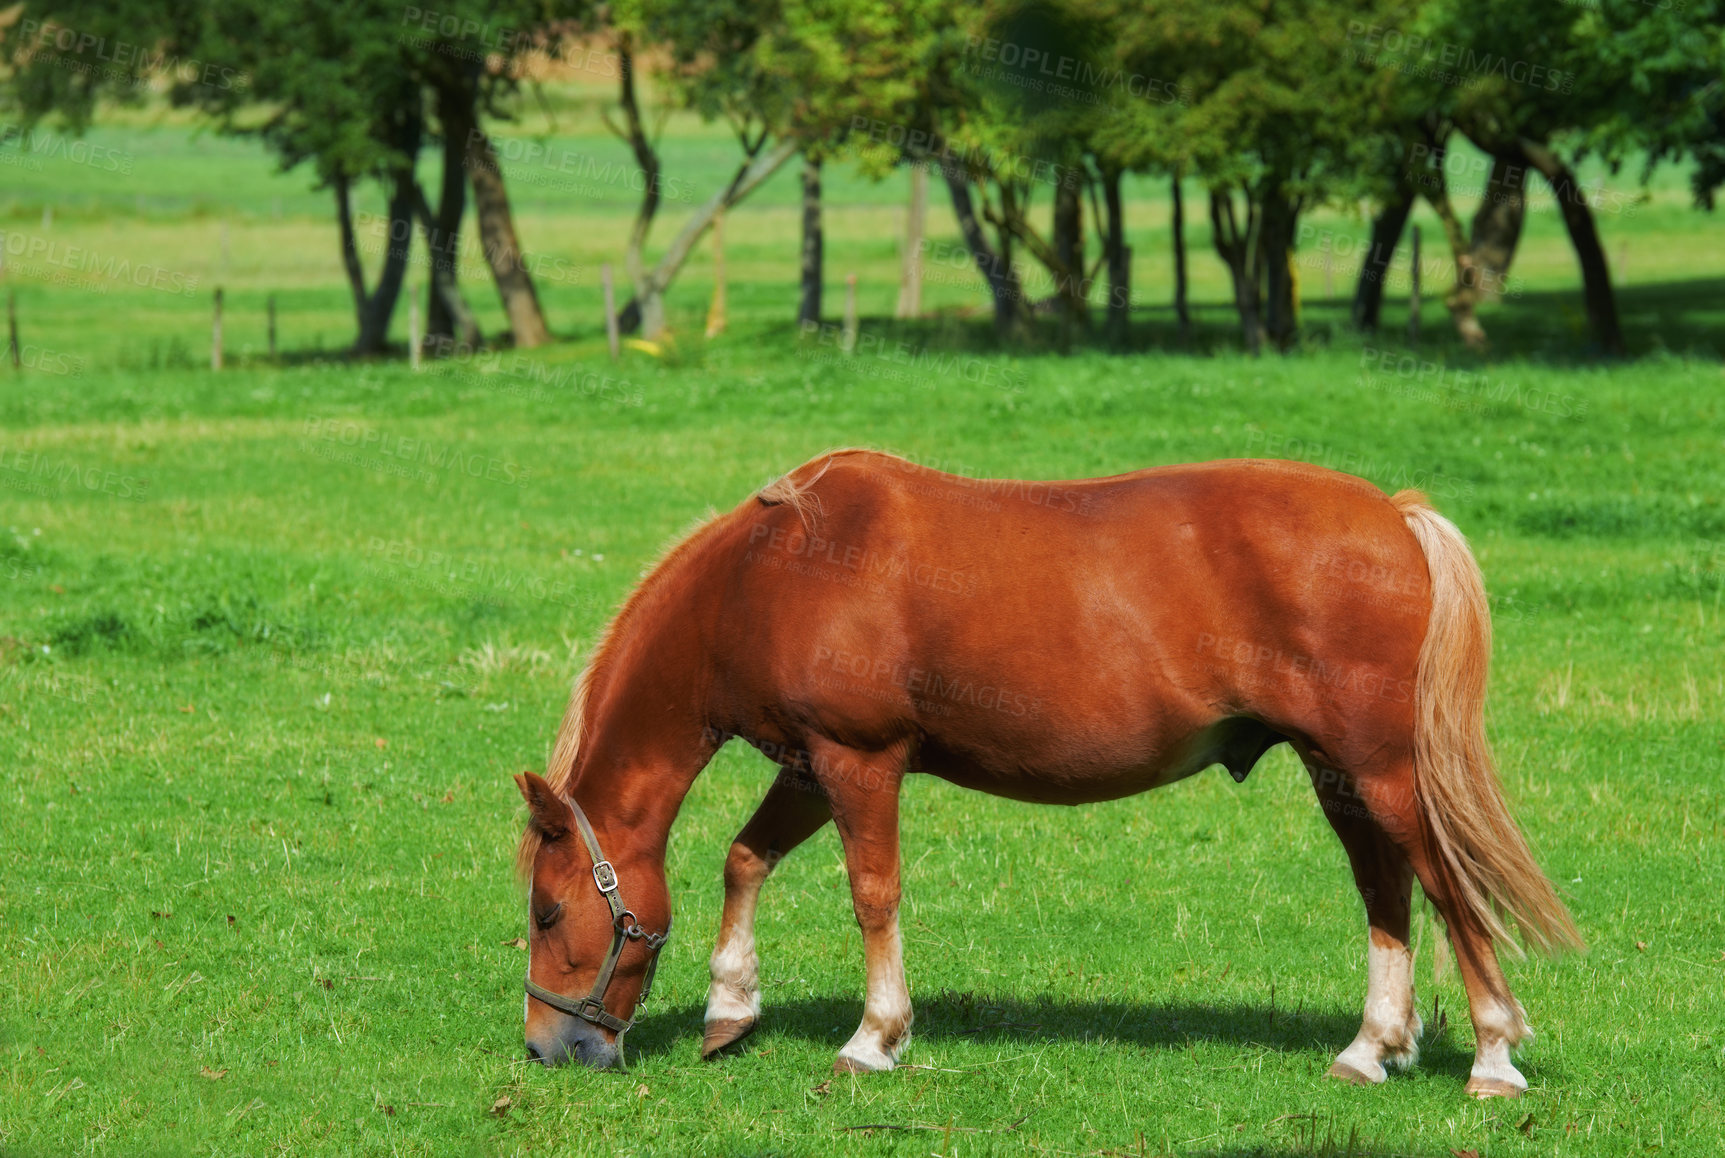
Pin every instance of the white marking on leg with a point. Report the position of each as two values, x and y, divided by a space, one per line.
1390 1029
1497 1029
885 1028
735 993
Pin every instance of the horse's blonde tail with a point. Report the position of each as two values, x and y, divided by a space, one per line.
1481 854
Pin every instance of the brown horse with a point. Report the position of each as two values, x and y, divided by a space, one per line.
863 618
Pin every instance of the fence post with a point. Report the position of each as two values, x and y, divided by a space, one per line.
1414 294
12 328
272 310
850 334
611 336
216 334
716 312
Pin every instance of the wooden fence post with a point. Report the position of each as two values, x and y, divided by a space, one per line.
272 312
12 329
850 333
216 334
611 336
716 311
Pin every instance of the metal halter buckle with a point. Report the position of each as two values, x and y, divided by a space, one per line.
605 877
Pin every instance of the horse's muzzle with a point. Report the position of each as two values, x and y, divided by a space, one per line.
574 1040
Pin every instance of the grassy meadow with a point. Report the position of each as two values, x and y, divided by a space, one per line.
272 641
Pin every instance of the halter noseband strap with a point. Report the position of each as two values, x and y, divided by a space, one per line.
624 927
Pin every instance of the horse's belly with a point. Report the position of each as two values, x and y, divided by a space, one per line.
1046 774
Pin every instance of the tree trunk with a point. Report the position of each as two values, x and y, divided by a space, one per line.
757 167
910 275
1119 260
380 306
1584 236
1238 250
1182 312
1387 229
461 327
809 303
996 270
1012 223
1497 224
635 133
1461 299
350 261
443 231
497 238
1275 246
1069 251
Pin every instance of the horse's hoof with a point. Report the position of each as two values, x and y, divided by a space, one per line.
1492 1088
721 1035
1347 1073
850 1065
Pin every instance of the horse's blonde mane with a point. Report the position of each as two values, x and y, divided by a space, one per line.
560 768
799 495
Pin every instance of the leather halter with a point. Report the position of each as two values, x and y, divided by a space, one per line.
624 927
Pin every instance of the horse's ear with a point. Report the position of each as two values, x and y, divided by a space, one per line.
549 812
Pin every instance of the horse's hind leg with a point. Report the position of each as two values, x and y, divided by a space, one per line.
1499 1023
1390 1030
795 808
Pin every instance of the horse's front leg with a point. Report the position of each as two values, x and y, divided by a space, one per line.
863 790
795 808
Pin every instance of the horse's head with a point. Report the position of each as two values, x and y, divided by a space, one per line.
589 958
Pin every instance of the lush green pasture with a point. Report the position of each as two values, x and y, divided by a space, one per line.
265 675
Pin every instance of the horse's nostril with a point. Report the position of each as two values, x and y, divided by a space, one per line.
533 1053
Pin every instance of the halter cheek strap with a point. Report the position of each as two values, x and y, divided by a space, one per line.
624 927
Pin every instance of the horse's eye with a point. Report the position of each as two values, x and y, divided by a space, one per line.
547 919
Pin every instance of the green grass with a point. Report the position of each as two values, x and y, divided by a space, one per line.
262 692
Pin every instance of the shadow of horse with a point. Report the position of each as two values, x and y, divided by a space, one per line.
953 1016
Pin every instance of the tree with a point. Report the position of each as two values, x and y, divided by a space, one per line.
716 68
1541 84
797 76
1282 120
464 54
331 89
63 56
1042 79
356 92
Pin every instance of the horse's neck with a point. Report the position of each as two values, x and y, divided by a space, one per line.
636 760
635 766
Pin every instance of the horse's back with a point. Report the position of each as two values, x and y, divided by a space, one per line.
1083 632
